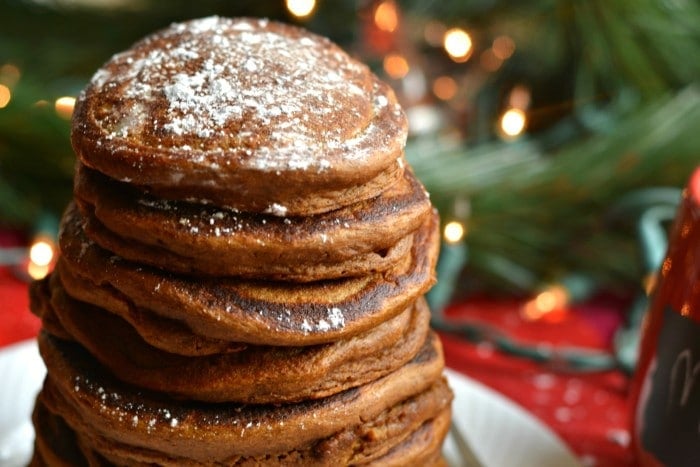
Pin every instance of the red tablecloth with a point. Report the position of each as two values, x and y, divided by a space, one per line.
16 322
588 411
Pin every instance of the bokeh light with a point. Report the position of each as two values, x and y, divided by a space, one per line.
386 16
41 253
64 107
458 44
396 66
445 88
503 47
5 96
301 8
513 122
453 232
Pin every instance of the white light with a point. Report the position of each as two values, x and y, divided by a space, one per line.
41 253
513 122
301 8
454 232
458 44
64 107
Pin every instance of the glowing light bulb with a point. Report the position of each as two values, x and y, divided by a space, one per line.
434 33
513 123
386 16
5 96
489 61
41 254
301 8
37 272
396 66
549 304
503 47
458 44
453 232
445 88
64 107
519 97
9 74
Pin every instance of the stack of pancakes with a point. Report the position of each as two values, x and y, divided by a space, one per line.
243 266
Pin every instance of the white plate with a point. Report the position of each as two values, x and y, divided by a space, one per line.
500 433
21 374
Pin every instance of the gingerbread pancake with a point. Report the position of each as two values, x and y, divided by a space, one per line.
366 237
255 312
251 114
254 374
165 334
55 443
119 420
58 442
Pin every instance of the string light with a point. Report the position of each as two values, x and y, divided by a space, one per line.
64 107
519 97
386 16
549 304
458 44
489 61
503 47
300 8
41 254
5 96
396 66
434 33
445 88
512 123
453 232
9 74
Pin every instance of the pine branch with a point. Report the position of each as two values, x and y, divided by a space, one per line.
549 213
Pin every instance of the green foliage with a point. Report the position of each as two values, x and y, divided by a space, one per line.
536 216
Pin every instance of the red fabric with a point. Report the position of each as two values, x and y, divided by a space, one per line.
17 323
587 410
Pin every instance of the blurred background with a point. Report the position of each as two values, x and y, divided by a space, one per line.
554 136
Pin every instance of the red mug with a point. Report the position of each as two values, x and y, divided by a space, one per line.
666 386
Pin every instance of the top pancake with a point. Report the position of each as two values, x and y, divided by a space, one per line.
246 113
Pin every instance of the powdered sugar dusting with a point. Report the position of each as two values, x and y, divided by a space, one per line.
277 210
270 96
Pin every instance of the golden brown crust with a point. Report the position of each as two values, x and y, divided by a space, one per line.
252 114
95 404
366 237
55 444
266 313
254 374
421 447
166 334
